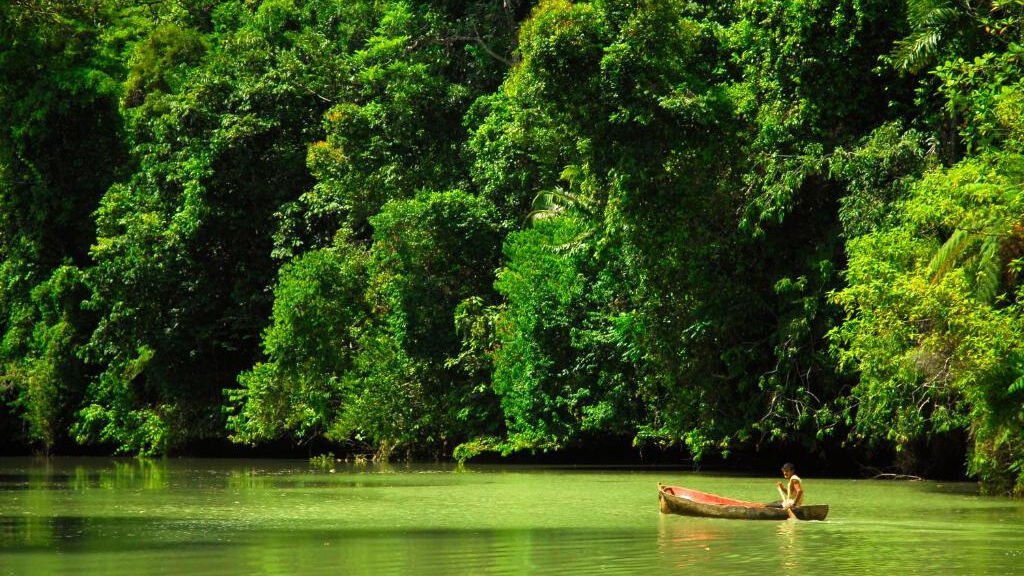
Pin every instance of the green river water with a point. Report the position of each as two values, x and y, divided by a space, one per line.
106 516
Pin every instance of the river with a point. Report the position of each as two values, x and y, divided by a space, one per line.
192 516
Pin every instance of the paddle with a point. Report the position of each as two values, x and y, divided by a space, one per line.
789 511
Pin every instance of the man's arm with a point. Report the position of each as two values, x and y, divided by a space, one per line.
782 493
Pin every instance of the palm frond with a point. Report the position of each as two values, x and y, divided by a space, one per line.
544 206
931 22
917 50
555 202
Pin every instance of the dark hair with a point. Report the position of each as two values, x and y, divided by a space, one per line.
788 466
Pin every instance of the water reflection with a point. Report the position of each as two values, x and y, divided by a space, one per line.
684 532
725 546
137 473
686 542
789 551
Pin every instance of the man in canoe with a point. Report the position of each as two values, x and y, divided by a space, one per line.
793 492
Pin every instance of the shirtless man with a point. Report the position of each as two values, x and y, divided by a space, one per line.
793 492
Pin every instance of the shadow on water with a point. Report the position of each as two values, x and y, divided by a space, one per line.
14 482
964 488
70 534
157 474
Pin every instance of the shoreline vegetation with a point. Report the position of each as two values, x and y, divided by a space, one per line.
463 229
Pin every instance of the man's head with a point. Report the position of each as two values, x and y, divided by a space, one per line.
788 469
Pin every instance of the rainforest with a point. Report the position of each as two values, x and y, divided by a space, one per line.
454 228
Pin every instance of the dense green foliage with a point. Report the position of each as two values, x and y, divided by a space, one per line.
453 227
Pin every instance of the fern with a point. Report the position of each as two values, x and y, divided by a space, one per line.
986 281
945 258
985 261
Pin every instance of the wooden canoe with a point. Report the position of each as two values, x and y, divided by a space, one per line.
678 500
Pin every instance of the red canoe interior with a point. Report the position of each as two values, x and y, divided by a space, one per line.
705 498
